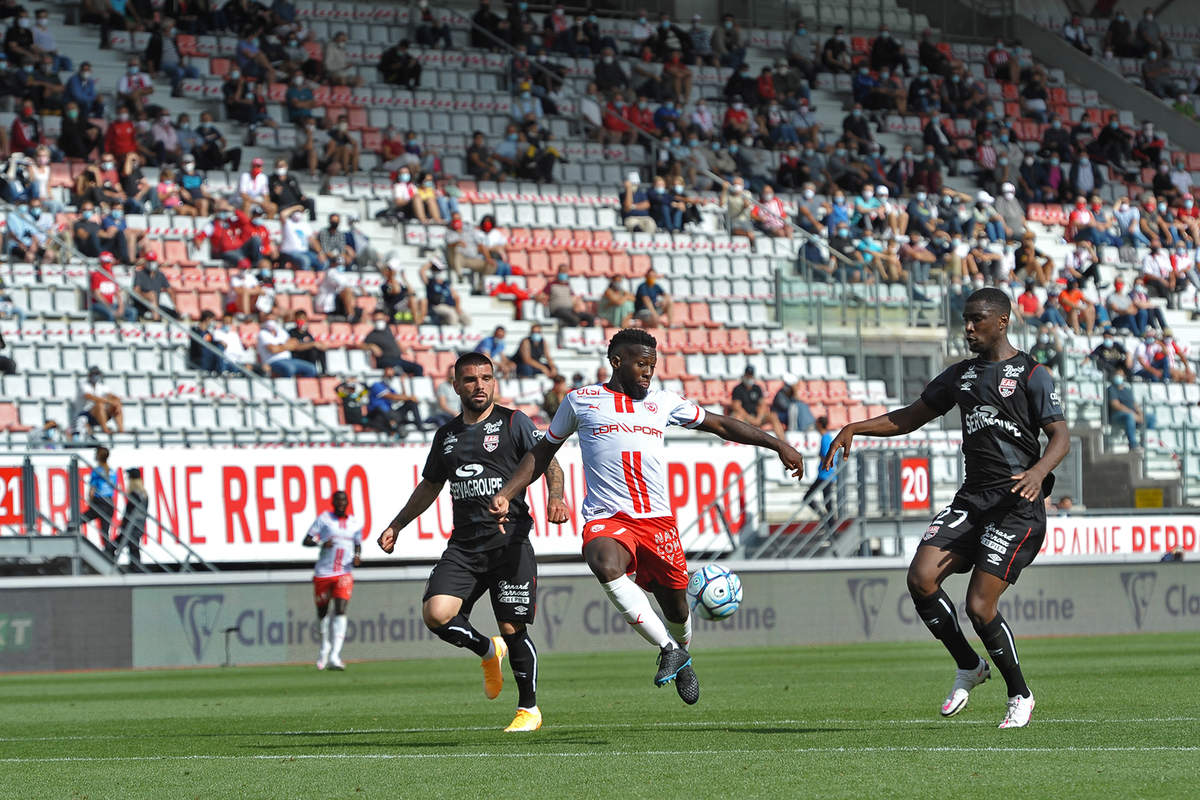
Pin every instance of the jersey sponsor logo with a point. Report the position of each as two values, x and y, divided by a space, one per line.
514 593
994 559
1013 372
989 417
970 374
1008 386
589 391
867 594
475 487
448 444
1139 588
1055 399
995 539
491 442
622 427
469 470
493 427
198 613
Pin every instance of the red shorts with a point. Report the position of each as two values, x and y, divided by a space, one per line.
339 586
655 552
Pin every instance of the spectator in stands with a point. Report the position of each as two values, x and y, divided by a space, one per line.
430 31
382 345
728 43
199 356
335 292
1156 76
1123 311
229 340
1178 365
342 150
230 237
1029 304
770 216
617 305
79 137
1110 356
1157 274
533 355
835 53
306 347
391 404
96 405
162 55
1047 351
930 56
563 304
399 302
669 36
887 52
826 480
1074 33
398 67
299 100
134 87
608 73
555 396
1119 38
635 206
739 208
748 405
403 199
24 238
800 48
299 246
493 347
1031 262
654 305
448 405
485 25
253 189
275 352
214 152
1149 36
1035 97
18 39
1002 64
149 286
1011 213
285 192
792 412
939 142
331 241
247 297
81 90
1080 312
1150 360
253 62
525 107
1124 413
481 250
445 306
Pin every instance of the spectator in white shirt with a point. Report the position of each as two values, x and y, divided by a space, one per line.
134 87
254 189
246 296
227 336
275 348
299 246
335 293
403 192
1157 273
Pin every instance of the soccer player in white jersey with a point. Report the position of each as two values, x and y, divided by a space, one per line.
629 527
339 536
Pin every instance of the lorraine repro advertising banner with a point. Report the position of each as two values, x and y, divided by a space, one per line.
257 504
1124 536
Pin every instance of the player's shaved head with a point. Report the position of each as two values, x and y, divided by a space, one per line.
992 299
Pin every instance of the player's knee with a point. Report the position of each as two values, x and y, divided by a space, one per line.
605 564
435 617
511 628
920 585
980 610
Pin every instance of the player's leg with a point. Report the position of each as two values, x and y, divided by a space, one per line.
341 600
443 616
322 592
983 595
453 587
674 605
513 588
609 561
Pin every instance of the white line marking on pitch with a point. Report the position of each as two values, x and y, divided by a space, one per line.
613 725
594 753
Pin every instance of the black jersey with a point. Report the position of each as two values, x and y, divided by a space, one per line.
477 460
1004 405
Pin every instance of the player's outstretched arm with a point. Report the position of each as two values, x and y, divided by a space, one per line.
733 430
421 499
893 423
532 466
1028 484
556 507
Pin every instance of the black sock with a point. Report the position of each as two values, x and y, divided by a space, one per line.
522 657
998 639
459 633
937 612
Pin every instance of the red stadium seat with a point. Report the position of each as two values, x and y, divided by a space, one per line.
9 420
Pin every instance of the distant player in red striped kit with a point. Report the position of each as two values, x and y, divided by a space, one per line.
629 525
339 535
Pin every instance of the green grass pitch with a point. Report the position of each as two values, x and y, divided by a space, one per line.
1117 717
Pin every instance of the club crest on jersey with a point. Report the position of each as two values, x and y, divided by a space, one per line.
651 407
1008 386
490 443
493 427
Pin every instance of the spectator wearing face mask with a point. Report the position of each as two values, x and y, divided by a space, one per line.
400 68
254 189
121 137
26 235
654 305
616 305
1047 351
335 293
728 43
299 100
215 152
403 194
1124 413
105 299
835 53
299 245
533 355
79 137
134 87
480 250
739 206
162 55
563 304
81 90
149 286
444 303
1111 357
276 352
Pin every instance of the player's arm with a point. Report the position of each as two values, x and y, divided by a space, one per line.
535 463
893 423
358 553
1028 484
421 499
734 430
556 507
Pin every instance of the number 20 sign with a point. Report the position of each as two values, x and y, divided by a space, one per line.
914 484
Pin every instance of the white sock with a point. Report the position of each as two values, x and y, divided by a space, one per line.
681 631
325 634
339 636
491 653
635 607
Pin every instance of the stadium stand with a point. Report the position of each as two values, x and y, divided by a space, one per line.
730 270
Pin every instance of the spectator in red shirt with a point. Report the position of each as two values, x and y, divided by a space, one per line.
1030 305
766 86
616 123
736 123
105 297
121 138
641 115
231 238
26 133
1001 64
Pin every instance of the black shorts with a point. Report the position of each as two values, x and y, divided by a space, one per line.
508 574
1000 532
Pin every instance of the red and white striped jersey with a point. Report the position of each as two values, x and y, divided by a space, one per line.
344 533
624 459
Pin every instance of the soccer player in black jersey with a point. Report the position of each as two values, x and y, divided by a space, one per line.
996 523
476 452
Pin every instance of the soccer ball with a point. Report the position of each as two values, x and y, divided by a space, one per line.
714 592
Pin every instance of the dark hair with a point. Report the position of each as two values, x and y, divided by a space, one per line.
470 360
822 422
992 298
630 337
207 314
334 496
102 454
133 472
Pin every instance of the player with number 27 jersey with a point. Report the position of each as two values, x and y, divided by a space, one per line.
621 439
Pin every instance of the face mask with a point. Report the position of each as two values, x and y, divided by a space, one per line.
525 95
293 43
1162 208
608 59
921 197
380 324
405 177
737 106
1002 161
512 137
693 142
840 152
793 154
1119 381
35 212
295 218
72 113
536 338
1083 162
839 201
25 22
234 75
1108 341
87 76
189 167
107 165
809 194
733 148
843 232
1054 162
122 117
675 140
43 22
660 190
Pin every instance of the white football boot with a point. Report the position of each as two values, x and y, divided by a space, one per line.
1020 709
964 681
